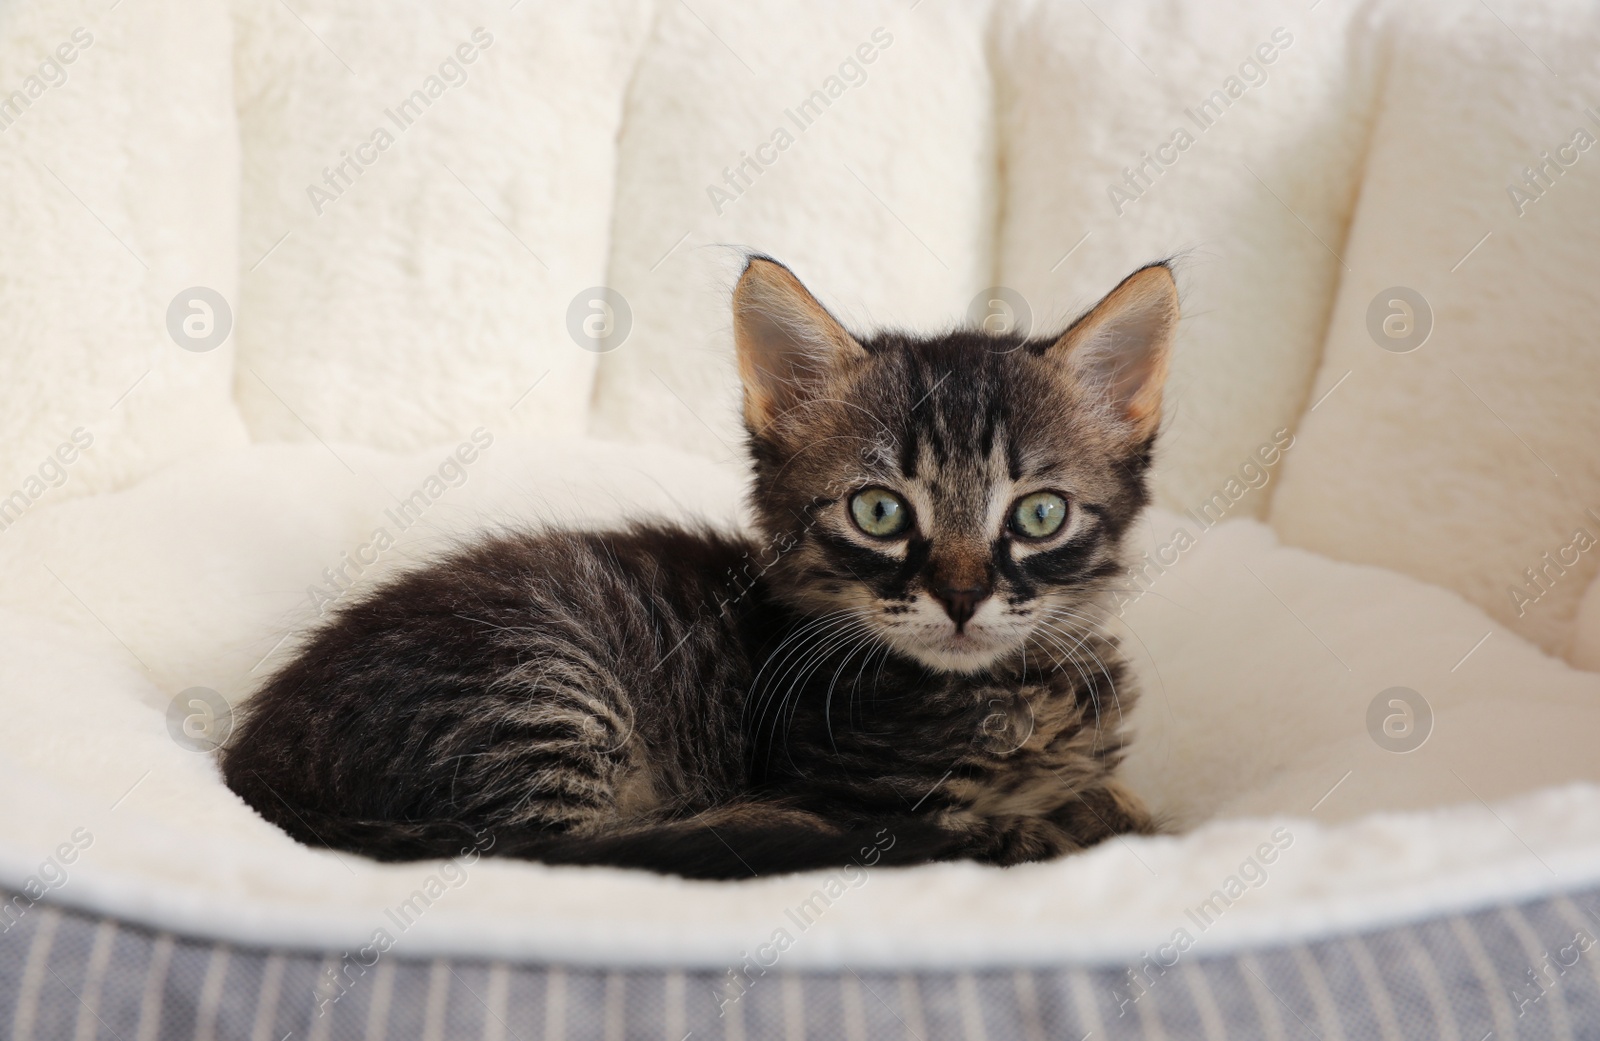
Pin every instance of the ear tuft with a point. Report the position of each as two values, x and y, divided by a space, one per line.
1121 347
788 344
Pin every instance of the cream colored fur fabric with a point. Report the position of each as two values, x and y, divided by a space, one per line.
1235 145
422 199
1470 460
119 158
855 143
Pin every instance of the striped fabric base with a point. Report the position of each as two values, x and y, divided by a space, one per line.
1526 971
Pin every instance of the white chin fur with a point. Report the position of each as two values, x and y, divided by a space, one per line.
944 654
952 661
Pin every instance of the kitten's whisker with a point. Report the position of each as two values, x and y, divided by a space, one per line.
1131 631
1080 644
797 633
1082 633
881 653
1088 628
795 693
802 657
1094 629
1063 614
1050 637
853 631
799 638
799 644
771 698
861 634
1149 592
1074 612
775 696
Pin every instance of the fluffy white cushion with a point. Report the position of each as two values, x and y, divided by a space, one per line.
119 157
1267 710
288 529
1252 194
1245 711
1467 459
879 191
424 287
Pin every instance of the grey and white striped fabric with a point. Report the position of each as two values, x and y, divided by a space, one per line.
1529 971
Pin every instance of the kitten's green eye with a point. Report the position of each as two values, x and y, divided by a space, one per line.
1039 515
880 513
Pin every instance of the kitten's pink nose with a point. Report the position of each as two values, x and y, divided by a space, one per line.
961 603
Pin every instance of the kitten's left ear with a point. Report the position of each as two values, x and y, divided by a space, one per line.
1121 348
788 344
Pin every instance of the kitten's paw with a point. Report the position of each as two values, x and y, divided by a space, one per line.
1019 840
1099 813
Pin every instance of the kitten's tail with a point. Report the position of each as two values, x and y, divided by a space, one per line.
742 841
750 845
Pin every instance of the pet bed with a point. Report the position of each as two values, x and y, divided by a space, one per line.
1362 614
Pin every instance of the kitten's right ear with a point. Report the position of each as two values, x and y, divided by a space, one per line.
788 344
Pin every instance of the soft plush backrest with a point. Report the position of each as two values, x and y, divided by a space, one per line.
1227 135
1456 433
1002 165
120 171
425 192
529 217
854 141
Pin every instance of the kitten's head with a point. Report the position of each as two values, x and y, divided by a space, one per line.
949 496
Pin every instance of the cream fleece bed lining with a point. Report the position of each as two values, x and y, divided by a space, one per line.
1253 720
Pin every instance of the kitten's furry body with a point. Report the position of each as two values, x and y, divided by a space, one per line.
687 701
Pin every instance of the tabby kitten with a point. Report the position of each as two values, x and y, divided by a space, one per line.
901 665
